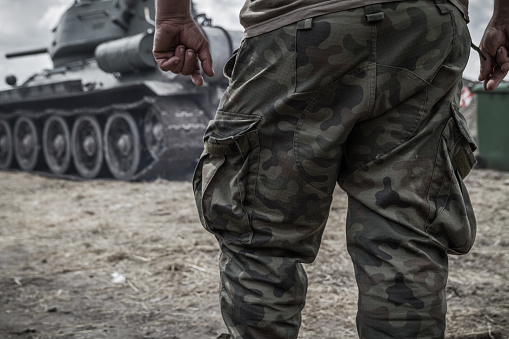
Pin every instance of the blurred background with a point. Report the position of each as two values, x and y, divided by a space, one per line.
27 24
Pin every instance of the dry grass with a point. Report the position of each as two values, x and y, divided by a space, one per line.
60 241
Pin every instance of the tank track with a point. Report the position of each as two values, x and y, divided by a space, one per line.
155 137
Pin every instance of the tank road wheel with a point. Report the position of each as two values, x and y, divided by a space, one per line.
122 146
5 145
26 143
153 132
56 145
87 146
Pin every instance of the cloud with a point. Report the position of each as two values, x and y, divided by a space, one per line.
53 13
224 13
25 25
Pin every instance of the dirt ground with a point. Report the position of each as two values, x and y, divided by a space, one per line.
62 243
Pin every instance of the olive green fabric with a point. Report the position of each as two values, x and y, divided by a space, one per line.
262 16
371 106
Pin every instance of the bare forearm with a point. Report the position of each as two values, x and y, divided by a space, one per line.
172 9
501 8
179 44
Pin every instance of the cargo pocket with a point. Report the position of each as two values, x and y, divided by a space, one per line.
451 221
224 182
229 66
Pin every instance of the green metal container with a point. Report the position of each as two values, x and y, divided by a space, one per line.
492 126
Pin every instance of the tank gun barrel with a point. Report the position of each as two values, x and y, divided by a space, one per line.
25 53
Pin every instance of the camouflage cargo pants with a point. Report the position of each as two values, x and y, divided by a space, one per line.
365 98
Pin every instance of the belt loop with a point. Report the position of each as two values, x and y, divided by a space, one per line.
305 24
443 6
374 13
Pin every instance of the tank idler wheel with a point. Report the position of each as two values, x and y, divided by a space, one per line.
5 145
122 147
26 143
154 132
87 146
56 144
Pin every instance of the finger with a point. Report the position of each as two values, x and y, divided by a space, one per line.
495 79
178 60
499 71
486 67
206 61
503 59
196 76
189 62
165 60
485 84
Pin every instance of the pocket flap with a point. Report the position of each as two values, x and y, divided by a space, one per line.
231 133
463 157
463 126
232 145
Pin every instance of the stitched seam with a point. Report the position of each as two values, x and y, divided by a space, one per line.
296 138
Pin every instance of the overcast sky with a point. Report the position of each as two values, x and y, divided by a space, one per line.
26 24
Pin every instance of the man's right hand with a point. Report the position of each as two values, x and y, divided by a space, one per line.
180 46
494 45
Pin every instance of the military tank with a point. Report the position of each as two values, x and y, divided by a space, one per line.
105 109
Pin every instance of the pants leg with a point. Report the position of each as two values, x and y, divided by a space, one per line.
323 99
262 189
403 173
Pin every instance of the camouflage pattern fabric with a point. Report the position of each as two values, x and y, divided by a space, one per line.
365 98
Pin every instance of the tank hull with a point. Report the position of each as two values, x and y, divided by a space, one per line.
163 141
106 110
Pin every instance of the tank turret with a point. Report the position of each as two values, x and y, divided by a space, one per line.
105 109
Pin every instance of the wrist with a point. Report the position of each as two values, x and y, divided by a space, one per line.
173 11
173 21
501 9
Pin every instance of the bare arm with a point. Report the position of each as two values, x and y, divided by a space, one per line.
495 44
179 44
